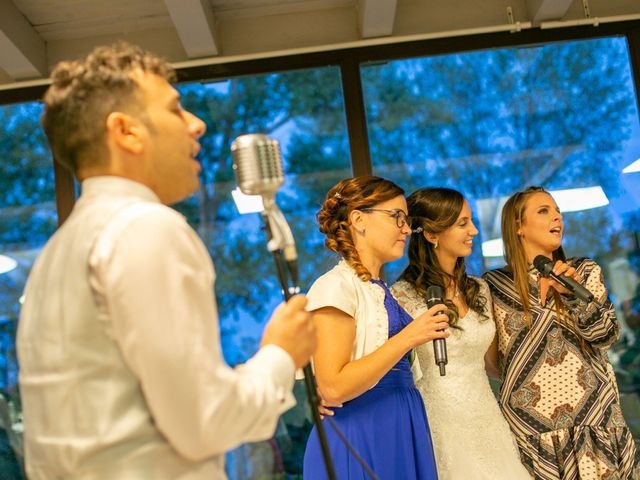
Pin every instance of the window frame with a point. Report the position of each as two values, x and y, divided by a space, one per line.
349 61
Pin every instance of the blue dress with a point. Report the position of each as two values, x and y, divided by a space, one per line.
387 425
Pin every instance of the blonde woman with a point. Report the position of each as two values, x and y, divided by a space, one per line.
559 392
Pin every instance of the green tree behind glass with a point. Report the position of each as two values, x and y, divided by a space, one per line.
490 123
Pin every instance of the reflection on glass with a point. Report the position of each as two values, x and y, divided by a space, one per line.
303 110
632 167
7 264
27 219
563 116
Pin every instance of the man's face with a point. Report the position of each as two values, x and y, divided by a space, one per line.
172 143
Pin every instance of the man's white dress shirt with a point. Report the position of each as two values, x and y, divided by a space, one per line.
121 372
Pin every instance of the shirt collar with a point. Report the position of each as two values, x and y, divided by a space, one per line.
533 273
109 185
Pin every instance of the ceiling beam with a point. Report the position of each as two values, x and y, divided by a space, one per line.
195 24
543 10
376 17
22 49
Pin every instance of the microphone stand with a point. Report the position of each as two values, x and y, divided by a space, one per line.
309 379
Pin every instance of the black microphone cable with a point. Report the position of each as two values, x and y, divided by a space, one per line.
288 281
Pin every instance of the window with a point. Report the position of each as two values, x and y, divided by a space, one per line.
488 123
28 218
303 110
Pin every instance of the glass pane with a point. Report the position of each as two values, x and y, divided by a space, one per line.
27 219
304 111
489 123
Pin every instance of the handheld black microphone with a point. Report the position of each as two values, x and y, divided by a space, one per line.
434 297
545 266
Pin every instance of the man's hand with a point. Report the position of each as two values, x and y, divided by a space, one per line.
292 329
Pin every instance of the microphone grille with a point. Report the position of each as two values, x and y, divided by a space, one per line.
434 295
543 264
257 164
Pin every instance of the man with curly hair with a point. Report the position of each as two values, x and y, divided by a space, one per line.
122 375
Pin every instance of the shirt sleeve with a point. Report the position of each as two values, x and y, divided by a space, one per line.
333 290
498 313
155 279
596 321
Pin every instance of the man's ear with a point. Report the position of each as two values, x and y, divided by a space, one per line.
125 131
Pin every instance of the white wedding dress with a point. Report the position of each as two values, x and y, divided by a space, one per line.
471 438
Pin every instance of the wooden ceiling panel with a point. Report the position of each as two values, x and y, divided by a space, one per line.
218 31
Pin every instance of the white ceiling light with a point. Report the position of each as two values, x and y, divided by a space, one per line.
633 167
569 200
247 203
7 264
576 199
493 248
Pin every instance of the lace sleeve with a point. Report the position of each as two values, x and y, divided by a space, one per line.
408 298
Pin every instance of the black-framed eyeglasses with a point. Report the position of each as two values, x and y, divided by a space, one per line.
400 217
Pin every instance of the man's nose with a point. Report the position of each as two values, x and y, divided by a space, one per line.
196 126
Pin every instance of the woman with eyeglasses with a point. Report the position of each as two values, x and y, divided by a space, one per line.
559 391
471 438
364 340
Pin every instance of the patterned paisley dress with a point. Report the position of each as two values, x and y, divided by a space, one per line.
559 392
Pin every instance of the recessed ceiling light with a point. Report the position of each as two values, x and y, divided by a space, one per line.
493 248
576 199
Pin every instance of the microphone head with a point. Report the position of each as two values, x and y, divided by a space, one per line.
543 264
434 296
257 164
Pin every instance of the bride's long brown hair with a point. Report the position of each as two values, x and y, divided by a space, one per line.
434 210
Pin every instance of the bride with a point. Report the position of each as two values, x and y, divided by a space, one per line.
471 438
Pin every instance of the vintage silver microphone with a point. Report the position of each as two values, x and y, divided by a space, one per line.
258 168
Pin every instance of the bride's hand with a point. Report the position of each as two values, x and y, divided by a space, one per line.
429 325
